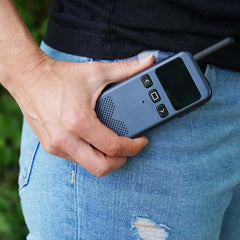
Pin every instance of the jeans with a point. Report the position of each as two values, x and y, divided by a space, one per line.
185 185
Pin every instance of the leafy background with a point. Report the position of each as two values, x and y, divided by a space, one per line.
12 226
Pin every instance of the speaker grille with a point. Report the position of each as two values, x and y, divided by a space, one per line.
104 109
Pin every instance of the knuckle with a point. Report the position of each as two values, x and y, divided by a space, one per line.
49 148
109 166
99 73
77 124
113 149
102 170
72 123
96 68
125 64
57 142
84 127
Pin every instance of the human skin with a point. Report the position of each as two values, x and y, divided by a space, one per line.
58 98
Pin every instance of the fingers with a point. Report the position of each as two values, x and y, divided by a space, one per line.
117 71
111 150
96 162
99 135
79 128
70 146
80 152
109 142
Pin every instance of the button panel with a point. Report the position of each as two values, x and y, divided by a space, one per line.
154 95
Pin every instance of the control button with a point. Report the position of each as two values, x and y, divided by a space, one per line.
154 95
162 110
146 80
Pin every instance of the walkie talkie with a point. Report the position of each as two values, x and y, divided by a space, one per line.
158 94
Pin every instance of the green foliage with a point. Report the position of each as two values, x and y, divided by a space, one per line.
10 124
34 14
12 226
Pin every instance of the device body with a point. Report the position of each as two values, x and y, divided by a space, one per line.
158 94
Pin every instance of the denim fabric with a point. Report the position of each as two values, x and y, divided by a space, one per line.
183 186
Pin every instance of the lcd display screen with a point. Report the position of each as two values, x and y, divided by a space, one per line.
178 83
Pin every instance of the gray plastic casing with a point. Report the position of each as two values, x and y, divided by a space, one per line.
127 108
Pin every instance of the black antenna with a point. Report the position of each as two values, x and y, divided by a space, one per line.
212 50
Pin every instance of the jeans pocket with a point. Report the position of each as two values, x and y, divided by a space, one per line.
210 74
29 146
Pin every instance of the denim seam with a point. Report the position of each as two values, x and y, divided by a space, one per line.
25 181
76 202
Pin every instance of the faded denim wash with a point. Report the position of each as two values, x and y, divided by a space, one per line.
185 185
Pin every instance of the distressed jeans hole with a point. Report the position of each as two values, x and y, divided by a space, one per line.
149 230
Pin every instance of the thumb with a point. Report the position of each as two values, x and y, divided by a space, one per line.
118 71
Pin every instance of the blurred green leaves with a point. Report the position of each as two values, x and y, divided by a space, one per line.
34 14
10 125
12 226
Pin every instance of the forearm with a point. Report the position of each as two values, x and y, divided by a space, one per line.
58 98
18 51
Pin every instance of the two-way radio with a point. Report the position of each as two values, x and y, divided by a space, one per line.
166 90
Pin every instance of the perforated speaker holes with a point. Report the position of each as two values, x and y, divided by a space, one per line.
104 109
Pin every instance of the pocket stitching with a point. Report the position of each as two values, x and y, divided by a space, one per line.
25 180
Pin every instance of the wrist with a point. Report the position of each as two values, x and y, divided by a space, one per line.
17 66
19 54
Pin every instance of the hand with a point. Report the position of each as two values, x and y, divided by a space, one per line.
58 100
